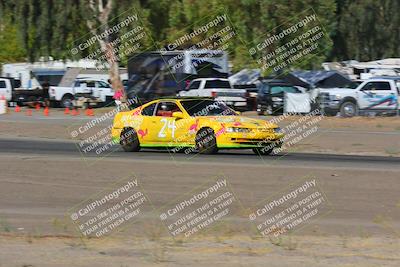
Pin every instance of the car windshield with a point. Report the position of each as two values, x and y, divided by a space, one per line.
279 89
207 108
352 85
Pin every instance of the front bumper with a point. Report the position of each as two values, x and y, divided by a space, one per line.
249 140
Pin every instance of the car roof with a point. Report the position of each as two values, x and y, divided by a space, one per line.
385 78
210 79
182 98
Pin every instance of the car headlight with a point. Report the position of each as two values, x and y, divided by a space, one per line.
276 99
237 130
335 97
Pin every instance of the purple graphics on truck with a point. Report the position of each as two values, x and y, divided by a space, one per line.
377 100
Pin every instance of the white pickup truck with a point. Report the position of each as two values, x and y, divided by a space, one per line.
219 89
376 95
6 88
91 88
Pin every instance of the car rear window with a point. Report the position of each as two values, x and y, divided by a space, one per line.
149 110
280 89
217 84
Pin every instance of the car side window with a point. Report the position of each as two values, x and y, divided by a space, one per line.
165 109
149 110
77 84
376 86
90 84
103 84
2 84
264 89
194 85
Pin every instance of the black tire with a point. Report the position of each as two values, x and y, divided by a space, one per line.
206 142
54 104
260 110
263 150
129 140
31 102
66 101
348 110
329 113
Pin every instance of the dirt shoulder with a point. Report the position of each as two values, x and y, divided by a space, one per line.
207 251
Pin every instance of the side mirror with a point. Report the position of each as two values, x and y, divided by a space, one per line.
178 115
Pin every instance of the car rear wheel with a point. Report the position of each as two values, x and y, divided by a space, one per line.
129 140
66 101
206 142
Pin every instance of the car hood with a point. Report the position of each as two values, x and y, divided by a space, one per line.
337 90
241 122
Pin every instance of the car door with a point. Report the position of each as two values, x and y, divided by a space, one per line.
102 89
5 89
162 124
143 123
377 95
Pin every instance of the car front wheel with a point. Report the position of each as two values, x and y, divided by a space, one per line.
348 109
206 142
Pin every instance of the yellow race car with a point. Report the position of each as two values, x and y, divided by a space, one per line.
193 124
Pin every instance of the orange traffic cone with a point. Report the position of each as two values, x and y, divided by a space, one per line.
89 112
28 112
46 111
66 111
37 107
17 108
75 112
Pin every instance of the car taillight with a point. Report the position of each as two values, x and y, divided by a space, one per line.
214 94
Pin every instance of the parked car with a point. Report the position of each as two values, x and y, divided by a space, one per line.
270 97
251 94
11 89
218 88
379 95
98 90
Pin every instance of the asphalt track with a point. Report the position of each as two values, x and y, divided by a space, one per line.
41 179
69 148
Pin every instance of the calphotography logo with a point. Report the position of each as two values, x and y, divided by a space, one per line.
291 43
113 42
200 210
110 210
291 209
94 137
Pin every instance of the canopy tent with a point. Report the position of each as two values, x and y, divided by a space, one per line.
321 79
